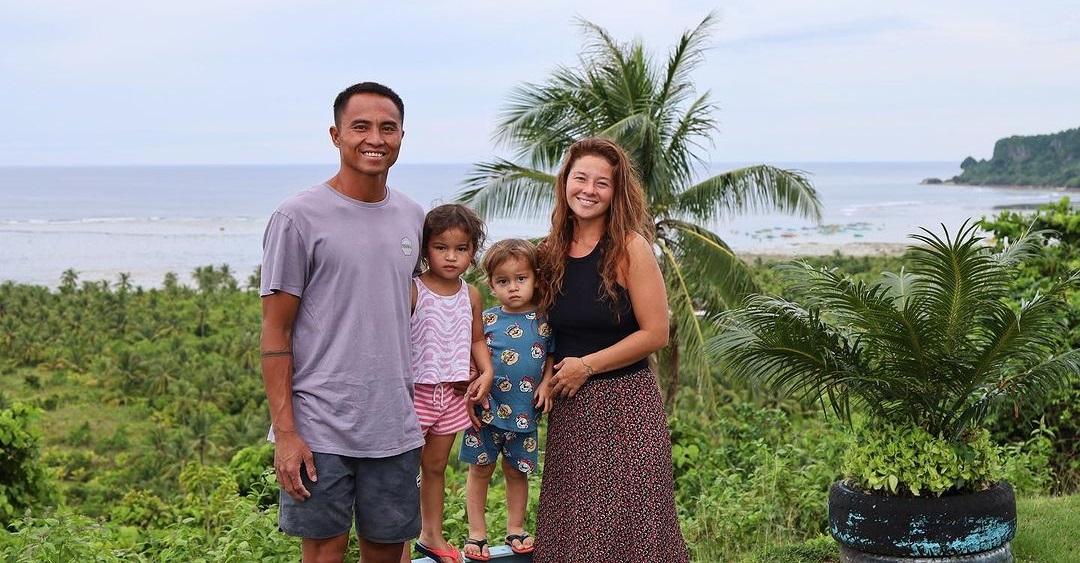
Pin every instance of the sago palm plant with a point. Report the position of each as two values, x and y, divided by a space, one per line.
930 348
652 110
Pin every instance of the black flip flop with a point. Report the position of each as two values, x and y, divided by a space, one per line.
478 543
511 538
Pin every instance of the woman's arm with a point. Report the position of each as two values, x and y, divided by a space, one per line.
648 298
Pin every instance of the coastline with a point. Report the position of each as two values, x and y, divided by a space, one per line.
153 277
806 249
950 182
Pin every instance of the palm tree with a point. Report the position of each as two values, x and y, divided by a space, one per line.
933 348
654 112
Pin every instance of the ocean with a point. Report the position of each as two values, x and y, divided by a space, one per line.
149 220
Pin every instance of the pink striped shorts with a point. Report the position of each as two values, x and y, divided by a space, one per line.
439 409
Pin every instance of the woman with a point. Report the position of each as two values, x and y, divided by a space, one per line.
607 493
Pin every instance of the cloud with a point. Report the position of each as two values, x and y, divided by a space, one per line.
113 82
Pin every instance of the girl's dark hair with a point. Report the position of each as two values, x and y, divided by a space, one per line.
453 216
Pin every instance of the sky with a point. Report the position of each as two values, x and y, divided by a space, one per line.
252 81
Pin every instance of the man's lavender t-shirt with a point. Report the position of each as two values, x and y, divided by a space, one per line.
350 263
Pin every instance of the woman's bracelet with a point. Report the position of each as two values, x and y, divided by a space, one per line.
588 369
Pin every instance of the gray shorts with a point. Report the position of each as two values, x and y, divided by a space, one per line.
382 494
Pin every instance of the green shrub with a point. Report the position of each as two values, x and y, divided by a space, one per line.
747 475
907 460
24 482
144 509
1028 466
64 536
1058 411
253 469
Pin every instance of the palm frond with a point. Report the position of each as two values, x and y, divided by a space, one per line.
791 349
1024 385
541 121
687 54
691 331
721 279
752 188
900 285
1029 244
696 122
504 189
959 281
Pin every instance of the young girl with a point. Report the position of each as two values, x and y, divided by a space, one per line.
520 343
446 330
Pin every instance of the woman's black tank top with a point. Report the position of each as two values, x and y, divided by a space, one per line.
583 318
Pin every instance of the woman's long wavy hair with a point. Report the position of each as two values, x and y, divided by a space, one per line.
627 214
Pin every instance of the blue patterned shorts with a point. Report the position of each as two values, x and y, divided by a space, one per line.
482 447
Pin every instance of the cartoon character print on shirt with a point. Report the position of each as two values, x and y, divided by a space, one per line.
509 357
509 435
524 466
537 350
505 385
486 417
526 385
529 444
514 331
522 421
472 438
505 411
482 458
488 337
531 316
490 319
544 330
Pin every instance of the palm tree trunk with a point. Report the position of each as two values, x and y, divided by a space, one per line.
672 369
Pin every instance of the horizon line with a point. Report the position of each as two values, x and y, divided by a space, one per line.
441 163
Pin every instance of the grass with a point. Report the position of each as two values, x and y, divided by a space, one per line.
1049 532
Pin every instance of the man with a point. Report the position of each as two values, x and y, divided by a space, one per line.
337 259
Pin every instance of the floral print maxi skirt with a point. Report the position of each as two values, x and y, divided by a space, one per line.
608 492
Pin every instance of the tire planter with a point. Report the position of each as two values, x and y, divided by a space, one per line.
876 528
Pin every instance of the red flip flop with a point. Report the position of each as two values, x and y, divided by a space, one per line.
511 538
438 554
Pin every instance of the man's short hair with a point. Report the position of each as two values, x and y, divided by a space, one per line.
366 88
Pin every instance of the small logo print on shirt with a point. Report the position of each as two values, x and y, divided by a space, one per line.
406 246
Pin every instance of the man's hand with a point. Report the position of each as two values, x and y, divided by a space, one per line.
290 451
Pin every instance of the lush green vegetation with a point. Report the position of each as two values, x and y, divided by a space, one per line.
922 355
1037 160
151 421
1058 415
